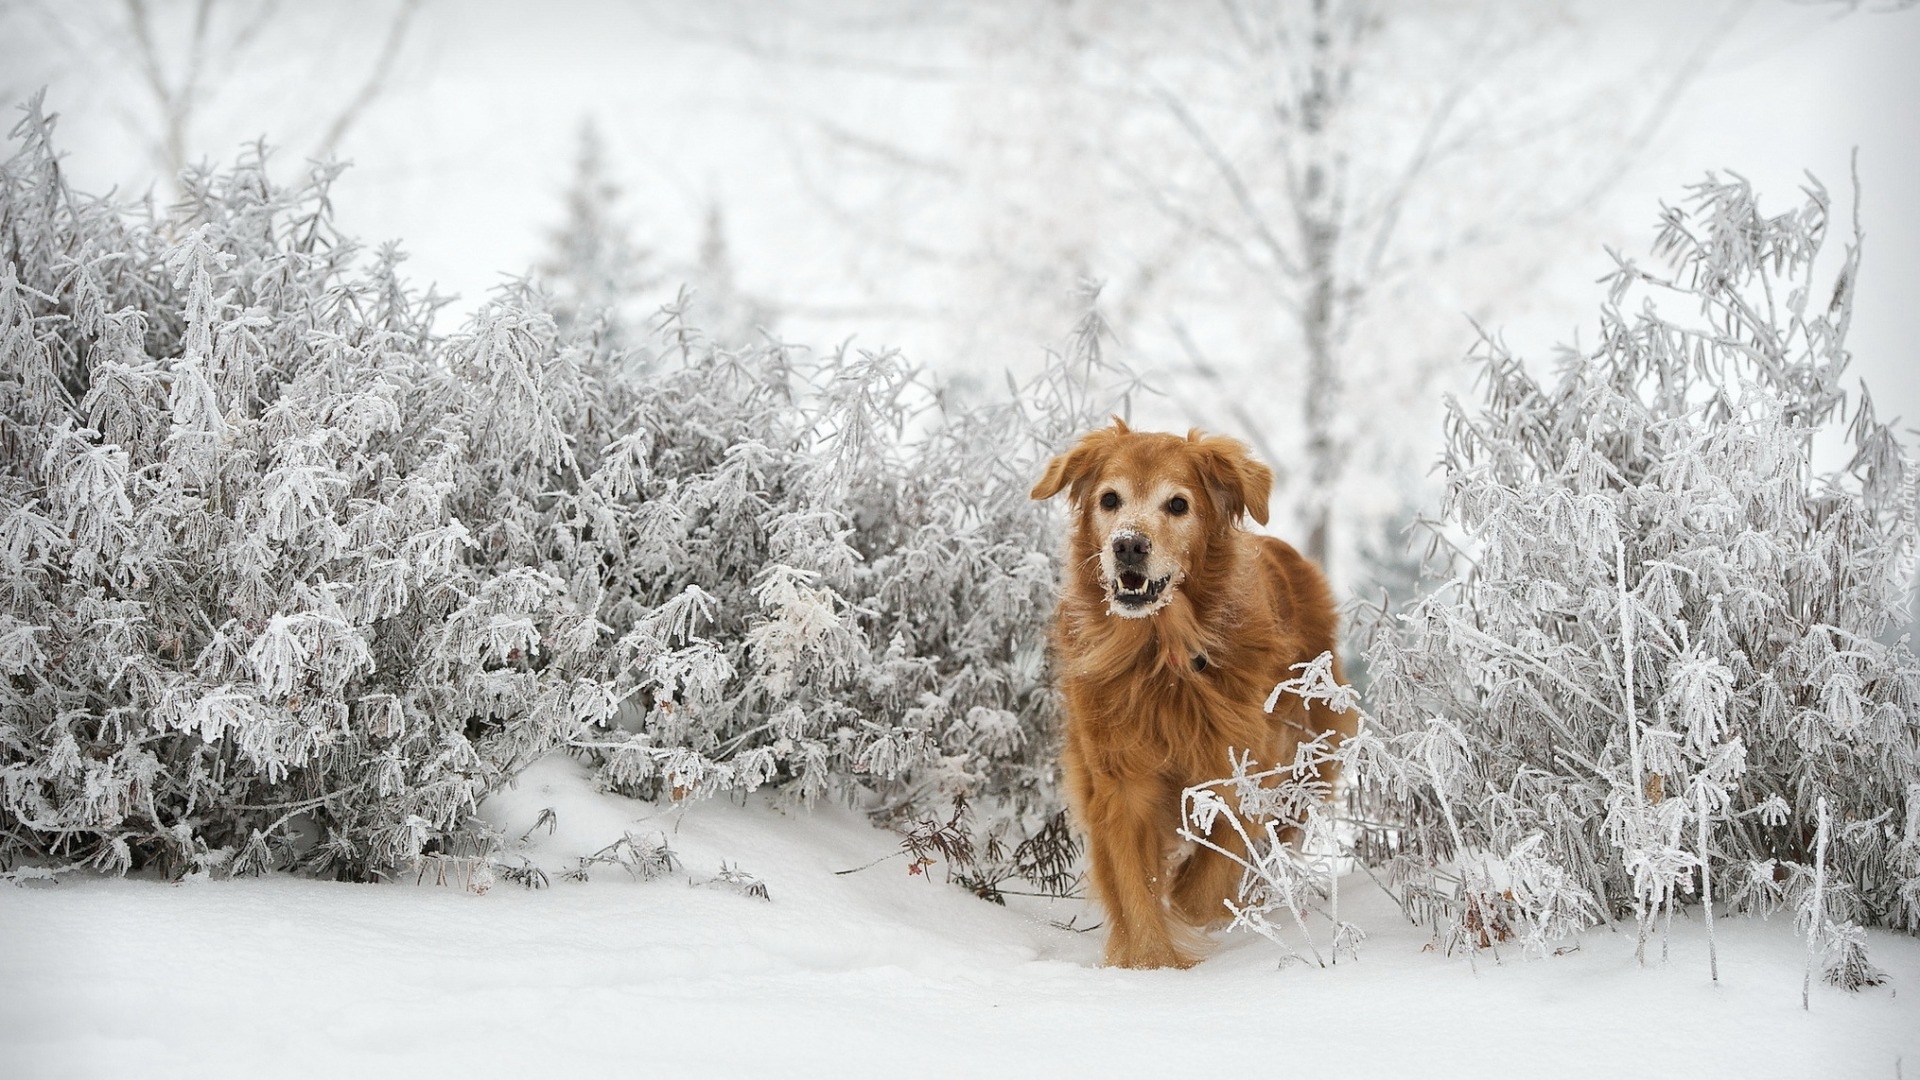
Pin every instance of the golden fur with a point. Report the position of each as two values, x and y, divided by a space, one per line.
1159 684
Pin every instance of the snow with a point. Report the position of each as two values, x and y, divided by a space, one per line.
876 973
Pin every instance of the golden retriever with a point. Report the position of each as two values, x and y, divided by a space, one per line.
1174 624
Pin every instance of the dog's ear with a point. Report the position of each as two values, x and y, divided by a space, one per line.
1238 482
1074 466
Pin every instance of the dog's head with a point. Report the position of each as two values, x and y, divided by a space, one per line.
1149 506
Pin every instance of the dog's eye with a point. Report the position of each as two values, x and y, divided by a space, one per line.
1109 501
1176 506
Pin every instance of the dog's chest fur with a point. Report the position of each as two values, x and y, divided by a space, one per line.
1178 724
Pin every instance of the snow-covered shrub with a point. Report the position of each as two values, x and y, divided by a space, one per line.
820 594
1290 849
1663 655
294 579
1297 838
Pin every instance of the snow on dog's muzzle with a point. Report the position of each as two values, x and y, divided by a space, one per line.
1133 589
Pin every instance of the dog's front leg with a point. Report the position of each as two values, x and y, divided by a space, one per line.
1129 838
1208 879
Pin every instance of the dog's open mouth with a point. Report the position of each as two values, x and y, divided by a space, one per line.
1132 589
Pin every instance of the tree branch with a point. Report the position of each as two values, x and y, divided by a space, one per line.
375 82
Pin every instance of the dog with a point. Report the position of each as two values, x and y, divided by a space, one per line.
1173 626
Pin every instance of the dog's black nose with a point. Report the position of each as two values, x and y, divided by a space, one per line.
1131 548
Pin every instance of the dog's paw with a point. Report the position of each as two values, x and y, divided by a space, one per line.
1147 955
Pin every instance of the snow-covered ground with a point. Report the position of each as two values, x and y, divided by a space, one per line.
876 973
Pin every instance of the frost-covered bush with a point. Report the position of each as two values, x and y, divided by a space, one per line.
1290 848
291 578
1663 655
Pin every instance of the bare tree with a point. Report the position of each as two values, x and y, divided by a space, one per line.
1254 178
1290 202
184 56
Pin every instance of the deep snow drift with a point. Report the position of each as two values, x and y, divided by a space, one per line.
877 973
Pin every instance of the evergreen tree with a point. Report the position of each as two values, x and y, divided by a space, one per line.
594 268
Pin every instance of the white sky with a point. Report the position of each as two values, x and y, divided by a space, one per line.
1795 93
464 157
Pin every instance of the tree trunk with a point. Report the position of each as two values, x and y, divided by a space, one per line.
1318 217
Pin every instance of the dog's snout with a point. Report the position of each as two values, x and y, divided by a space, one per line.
1131 548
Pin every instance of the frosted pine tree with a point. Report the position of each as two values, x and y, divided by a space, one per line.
1663 655
720 303
594 268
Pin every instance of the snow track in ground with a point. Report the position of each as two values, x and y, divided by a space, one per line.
876 973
